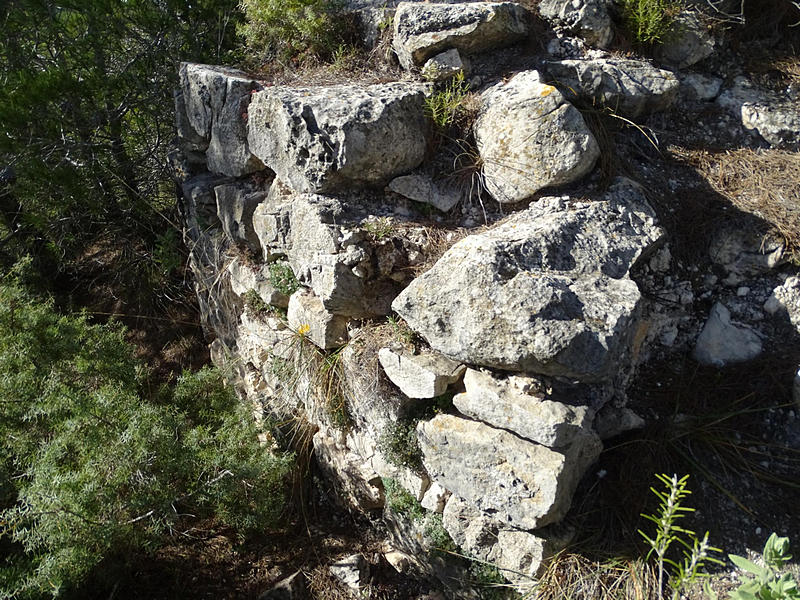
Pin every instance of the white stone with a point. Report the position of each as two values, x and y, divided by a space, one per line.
254 277
435 498
589 20
424 375
308 319
687 42
423 189
722 342
352 571
444 66
521 405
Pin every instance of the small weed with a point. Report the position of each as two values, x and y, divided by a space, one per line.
490 581
768 583
282 278
695 552
256 305
402 331
649 21
401 502
379 229
445 106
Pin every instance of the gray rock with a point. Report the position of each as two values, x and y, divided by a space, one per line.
687 42
517 554
523 406
627 86
255 277
421 188
588 19
722 342
216 101
775 118
200 200
745 252
326 251
444 66
189 139
352 571
786 298
796 388
332 138
522 484
236 204
702 87
424 375
435 498
547 291
422 30
291 588
529 137
612 421
308 317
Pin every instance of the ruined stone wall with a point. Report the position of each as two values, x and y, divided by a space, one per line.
311 217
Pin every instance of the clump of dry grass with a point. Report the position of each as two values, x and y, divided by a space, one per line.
437 242
576 577
761 182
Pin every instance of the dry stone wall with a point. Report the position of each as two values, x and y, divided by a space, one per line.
532 324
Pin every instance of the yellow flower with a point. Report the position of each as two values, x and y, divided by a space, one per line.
303 329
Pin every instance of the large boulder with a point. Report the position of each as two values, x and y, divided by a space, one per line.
629 87
422 30
215 101
529 137
588 19
330 138
522 484
547 291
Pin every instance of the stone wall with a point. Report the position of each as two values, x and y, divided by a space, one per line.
531 322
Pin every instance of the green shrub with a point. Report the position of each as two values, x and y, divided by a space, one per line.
444 106
401 502
282 278
648 21
93 468
292 29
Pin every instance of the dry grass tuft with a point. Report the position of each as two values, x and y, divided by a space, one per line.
576 577
438 241
765 183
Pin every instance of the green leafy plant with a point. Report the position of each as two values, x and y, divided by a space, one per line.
694 552
379 229
649 21
401 502
282 278
444 106
768 583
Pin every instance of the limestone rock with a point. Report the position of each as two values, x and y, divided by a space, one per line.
687 42
444 66
423 189
362 488
200 202
547 291
246 277
235 206
352 571
796 388
331 138
424 375
517 554
722 342
308 317
523 484
629 87
612 421
775 118
519 404
326 250
588 19
422 30
786 297
702 87
435 498
291 588
216 101
190 140
745 252
529 137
